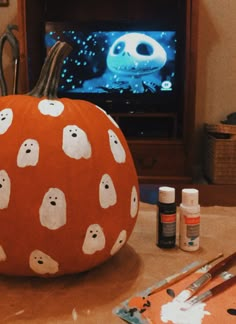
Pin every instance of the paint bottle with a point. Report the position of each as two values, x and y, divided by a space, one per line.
166 218
189 220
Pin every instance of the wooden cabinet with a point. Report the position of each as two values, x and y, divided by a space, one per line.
153 159
161 142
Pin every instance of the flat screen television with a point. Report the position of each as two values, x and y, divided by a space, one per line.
121 67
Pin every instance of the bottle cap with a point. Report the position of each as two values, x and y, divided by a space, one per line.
190 197
167 195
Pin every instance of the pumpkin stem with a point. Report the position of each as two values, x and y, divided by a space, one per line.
49 78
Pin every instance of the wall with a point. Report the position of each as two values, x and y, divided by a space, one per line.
216 62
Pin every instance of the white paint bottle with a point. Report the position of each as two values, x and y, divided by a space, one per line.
189 220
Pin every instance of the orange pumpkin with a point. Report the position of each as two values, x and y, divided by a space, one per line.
68 187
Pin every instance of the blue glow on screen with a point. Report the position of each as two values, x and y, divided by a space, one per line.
121 62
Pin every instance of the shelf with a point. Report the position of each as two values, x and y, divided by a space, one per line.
145 114
147 126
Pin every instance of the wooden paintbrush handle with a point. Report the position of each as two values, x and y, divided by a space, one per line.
222 264
223 286
179 276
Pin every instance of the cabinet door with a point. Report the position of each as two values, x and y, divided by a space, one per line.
159 159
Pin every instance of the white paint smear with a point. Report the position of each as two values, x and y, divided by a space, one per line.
20 312
179 313
74 314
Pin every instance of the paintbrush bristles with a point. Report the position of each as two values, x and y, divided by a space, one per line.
211 292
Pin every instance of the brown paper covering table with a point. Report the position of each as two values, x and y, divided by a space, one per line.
90 297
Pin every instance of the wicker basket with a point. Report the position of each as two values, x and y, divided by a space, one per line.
220 154
221 129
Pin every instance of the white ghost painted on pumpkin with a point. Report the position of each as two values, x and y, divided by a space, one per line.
3 256
28 154
133 202
53 108
120 241
94 239
107 192
5 189
52 212
102 110
6 117
113 121
42 263
116 147
109 117
75 143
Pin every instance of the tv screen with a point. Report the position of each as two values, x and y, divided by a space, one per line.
116 65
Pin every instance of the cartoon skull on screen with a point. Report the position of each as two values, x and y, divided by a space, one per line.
135 55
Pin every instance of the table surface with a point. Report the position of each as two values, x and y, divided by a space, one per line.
90 297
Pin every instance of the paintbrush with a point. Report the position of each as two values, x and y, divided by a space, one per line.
204 279
179 276
210 293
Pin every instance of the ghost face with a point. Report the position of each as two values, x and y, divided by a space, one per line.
52 108
136 54
5 189
28 154
42 263
6 117
75 143
94 239
52 212
120 241
116 147
133 202
107 192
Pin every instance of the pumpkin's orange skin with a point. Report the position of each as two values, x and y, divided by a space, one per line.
21 231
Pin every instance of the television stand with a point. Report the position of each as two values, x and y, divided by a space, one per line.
161 142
